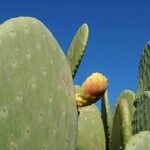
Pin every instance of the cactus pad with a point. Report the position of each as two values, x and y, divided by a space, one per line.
144 70
107 119
130 97
122 128
140 141
37 106
77 48
142 114
90 129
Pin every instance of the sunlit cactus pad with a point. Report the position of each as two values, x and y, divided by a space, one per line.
77 48
129 96
91 134
37 107
106 118
140 141
122 129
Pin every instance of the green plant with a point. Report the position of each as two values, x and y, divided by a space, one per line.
129 96
139 141
38 101
130 115
37 107
122 128
142 102
144 71
90 129
77 48
106 116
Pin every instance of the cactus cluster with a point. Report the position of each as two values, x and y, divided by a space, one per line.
42 109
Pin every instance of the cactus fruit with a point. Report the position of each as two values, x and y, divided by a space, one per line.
91 134
91 90
95 85
140 141
33 70
77 48
122 128
106 118
142 114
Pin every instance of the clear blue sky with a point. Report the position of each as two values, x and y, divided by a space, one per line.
119 29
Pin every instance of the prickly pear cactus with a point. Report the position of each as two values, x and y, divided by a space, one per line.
37 107
140 141
77 48
122 128
106 118
91 134
130 97
142 102
144 70
142 114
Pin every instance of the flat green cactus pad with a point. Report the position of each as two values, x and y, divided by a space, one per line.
144 70
130 98
37 107
140 141
122 128
91 134
142 114
107 119
77 48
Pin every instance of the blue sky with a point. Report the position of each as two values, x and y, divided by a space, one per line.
118 32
